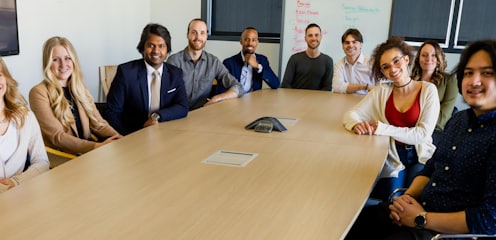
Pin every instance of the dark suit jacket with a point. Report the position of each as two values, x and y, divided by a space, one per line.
128 101
235 63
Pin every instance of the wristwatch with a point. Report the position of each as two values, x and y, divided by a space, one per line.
420 220
155 116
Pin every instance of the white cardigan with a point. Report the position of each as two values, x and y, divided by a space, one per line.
373 108
30 141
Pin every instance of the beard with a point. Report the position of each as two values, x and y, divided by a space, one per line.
195 47
311 45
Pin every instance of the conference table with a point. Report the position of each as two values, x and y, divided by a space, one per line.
167 182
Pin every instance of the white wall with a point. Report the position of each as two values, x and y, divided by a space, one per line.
162 12
107 31
102 31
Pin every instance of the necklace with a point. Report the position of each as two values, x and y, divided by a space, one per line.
404 85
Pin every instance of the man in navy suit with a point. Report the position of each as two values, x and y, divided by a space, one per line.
249 68
131 103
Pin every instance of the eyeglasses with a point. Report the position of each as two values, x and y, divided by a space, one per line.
395 63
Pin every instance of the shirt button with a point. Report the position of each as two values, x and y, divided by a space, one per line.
424 203
434 184
469 130
446 168
453 148
482 125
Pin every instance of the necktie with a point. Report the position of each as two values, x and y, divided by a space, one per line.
155 92
244 77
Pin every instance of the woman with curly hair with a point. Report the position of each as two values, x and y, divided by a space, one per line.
403 109
23 154
63 105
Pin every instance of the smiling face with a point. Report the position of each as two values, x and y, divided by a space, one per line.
249 41
428 59
62 65
394 65
197 35
351 46
155 51
479 83
313 37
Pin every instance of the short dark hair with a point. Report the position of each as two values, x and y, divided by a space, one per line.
157 29
311 25
353 32
488 46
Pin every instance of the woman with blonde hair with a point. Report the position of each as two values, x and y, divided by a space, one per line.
63 105
23 153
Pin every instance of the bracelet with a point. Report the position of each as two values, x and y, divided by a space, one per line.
366 87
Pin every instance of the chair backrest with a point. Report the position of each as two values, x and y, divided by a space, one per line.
107 74
57 157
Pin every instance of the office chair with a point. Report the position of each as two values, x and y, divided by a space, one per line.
107 74
445 236
57 157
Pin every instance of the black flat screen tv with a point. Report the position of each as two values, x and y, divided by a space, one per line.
9 37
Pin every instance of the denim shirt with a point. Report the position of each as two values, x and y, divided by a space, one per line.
462 171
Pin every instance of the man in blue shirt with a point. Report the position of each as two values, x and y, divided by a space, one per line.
456 190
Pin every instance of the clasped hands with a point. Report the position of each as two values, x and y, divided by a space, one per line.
365 128
404 209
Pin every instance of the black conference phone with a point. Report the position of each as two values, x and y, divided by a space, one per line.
266 125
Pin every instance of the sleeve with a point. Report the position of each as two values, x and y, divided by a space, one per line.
103 129
482 218
115 101
226 78
365 110
289 73
268 75
326 83
339 84
429 103
36 149
448 101
51 127
178 106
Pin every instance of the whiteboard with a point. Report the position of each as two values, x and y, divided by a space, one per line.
371 17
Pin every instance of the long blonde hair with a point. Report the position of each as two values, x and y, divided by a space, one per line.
15 104
59 104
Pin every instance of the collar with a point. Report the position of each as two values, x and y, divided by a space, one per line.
487 116
360 59
187 57
150 69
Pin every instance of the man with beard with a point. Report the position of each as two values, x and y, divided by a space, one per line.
201 68
310 69
249 68
147 91
353 73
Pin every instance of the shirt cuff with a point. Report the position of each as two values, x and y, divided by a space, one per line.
260 68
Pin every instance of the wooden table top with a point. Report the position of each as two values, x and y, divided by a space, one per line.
153 184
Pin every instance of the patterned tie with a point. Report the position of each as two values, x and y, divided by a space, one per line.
155 92
243 78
